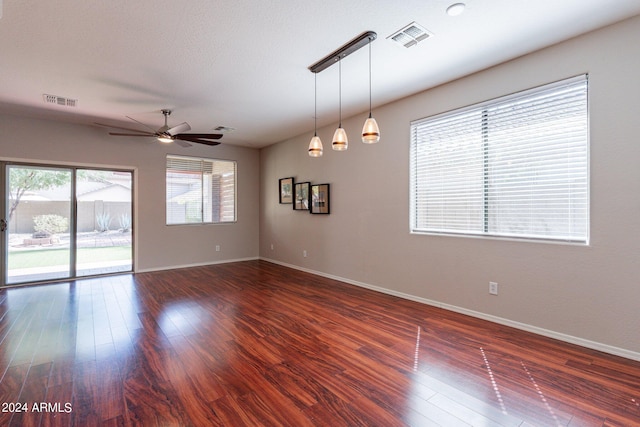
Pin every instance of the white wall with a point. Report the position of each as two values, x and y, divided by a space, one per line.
585 294
158 246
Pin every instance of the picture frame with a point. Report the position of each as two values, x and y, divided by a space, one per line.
285 188
302 196
320 199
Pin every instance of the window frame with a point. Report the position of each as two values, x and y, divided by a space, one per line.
202 201
487 215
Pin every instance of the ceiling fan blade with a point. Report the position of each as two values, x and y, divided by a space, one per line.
201 135
182 127
188 137
132 134
182 143
148 127
118 127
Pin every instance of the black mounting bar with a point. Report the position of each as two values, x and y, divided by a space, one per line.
355 44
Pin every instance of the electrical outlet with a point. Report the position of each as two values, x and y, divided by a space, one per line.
304 253
493 288
217 248
272 246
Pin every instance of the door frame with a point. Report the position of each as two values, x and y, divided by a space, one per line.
73 227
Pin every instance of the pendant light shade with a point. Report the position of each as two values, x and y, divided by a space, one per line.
370 130
315 146
340 141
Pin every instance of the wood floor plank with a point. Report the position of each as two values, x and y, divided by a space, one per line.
192 399
10 389
253 343
33 392
151 400
268 407
201 371
333 411
61 415
230 412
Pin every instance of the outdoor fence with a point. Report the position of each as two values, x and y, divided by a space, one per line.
90 214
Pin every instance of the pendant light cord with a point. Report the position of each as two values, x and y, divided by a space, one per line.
315 104
369 78
340 90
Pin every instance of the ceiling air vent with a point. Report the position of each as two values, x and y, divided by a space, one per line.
59 100
410 35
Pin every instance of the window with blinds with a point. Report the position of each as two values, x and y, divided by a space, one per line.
200 190
516 166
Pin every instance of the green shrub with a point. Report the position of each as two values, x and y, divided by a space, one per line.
50 224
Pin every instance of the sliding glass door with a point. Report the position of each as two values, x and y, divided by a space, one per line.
104 222
64 222
38 216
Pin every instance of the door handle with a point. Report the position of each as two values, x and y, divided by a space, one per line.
3 225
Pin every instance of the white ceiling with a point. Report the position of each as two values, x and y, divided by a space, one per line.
243 63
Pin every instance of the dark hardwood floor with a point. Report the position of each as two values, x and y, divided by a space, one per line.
253 343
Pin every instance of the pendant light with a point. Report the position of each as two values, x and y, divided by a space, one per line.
315 146
340 141
370 130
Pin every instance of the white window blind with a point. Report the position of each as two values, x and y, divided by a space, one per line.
200 190
516 166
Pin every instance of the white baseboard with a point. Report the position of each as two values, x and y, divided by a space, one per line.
202 264
495 319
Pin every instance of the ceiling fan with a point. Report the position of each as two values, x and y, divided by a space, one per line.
167 135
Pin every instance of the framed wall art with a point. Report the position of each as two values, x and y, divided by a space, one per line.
301 197
285 186
320 199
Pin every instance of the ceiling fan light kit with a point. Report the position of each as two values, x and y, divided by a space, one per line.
168 135
370 130
165 134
